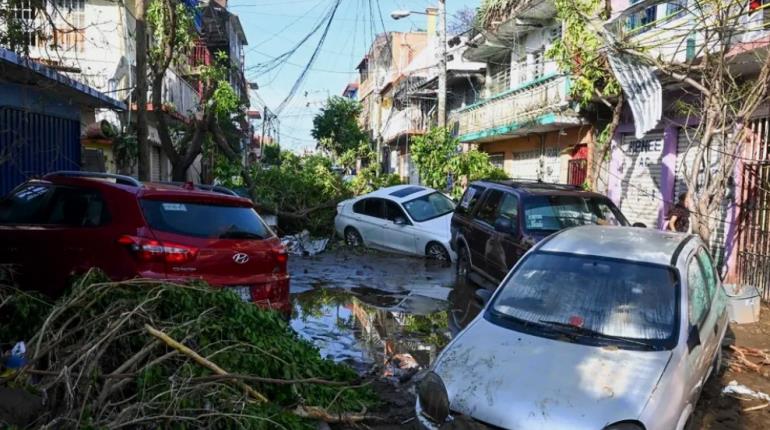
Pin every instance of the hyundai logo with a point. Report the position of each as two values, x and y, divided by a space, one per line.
240 258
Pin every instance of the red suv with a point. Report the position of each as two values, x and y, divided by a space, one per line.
68 222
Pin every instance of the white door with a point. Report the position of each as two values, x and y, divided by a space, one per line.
398 237
639 174
369 216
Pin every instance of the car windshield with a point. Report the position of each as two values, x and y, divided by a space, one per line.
429 206
595 299
205 220
554 213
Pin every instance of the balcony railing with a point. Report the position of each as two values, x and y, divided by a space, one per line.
516 107
408 121
178 93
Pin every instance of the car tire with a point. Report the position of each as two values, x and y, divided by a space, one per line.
463 267
353 237
436 251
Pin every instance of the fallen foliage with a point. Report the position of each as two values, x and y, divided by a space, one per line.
144 354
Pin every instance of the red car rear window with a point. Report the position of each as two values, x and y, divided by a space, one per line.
204 220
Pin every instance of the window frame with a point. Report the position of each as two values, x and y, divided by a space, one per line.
403 214
366 201
42 210
517 201
487 198
707 308
105 217
472 204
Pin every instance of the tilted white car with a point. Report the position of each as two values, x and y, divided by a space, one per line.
596 328
407 219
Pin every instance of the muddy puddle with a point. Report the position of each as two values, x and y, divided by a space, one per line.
378 312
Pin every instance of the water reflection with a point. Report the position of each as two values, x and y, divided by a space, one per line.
397 332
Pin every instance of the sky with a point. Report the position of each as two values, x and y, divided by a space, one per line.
273 27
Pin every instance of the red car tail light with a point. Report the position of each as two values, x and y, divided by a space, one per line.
153 250
280 258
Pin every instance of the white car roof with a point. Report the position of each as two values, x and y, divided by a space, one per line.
388 192
629 243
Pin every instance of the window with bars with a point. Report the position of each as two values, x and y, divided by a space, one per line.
70 20
639 21
23 16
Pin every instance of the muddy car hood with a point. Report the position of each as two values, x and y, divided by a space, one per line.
518 381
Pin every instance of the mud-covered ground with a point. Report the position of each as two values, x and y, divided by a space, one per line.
389 316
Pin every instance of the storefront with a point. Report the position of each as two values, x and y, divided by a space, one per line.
538 156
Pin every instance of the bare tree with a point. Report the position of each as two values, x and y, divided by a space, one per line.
172 27
725 80
462 21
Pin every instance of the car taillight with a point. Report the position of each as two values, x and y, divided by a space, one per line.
280 258
153 250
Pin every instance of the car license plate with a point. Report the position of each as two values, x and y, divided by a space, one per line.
243 292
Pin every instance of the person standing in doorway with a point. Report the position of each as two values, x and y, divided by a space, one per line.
679 216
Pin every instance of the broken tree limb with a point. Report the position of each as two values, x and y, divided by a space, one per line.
316 413
269 380
756 408
203 362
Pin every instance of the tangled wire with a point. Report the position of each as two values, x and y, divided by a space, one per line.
143 354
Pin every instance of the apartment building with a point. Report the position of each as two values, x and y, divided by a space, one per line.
526 120
646 174
94 42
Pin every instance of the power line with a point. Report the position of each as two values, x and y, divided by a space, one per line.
310 62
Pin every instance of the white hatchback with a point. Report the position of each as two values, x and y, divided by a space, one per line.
407 219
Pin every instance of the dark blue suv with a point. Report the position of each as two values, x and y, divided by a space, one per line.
497 222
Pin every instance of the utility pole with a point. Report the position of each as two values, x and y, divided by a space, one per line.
141 92
442 72
264 124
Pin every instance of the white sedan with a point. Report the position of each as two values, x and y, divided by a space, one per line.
407 219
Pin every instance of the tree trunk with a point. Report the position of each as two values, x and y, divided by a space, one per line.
141 92
599 151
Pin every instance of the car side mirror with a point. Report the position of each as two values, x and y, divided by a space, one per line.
640 225
399 220
693 338
504 225
482 296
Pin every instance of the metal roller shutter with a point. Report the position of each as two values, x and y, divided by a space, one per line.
687 148
641 165
156 173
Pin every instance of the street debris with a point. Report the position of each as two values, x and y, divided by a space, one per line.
301 244
142 354
739 362
743 392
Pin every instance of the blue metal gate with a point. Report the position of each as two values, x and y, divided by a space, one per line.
33 144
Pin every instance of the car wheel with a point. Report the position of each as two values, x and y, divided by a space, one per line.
353 237
436 251
463 265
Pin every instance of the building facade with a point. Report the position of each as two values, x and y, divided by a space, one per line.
42 113
526 120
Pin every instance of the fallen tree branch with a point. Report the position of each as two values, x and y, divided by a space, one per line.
268 380
316 413
298 215
203 362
